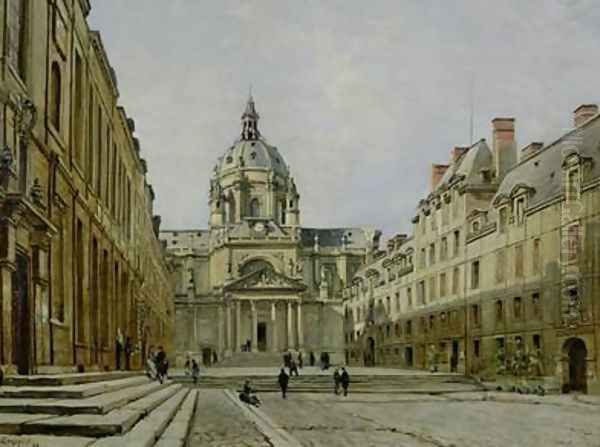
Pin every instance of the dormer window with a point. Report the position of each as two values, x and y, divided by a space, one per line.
520 210
475 226
573 185
502 219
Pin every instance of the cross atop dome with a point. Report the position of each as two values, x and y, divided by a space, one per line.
250 121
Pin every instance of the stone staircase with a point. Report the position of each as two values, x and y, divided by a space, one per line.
95 409
252 359
417 383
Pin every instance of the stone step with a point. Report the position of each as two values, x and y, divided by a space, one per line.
99 404
148 430
79 391
67 379
44 441
118 421
177 432
364 390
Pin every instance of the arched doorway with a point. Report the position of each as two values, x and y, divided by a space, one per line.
576 374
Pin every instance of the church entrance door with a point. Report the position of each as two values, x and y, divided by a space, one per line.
262 337
577 353
21 316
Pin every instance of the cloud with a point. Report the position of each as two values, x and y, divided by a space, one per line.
360 97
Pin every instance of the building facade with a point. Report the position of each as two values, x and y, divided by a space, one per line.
255 279
79 255
500 277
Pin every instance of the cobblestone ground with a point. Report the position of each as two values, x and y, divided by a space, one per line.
220 423
440 421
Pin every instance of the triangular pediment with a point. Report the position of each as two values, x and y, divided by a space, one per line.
265 279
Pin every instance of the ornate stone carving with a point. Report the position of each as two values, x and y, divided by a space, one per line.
37 194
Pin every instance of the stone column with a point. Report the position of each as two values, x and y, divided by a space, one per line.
274 345
220 331
254 327
229 329
238 325
300 345
7 267
290 324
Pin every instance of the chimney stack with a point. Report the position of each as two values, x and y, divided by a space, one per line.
583 113
457 152
531 149
505 153
437 172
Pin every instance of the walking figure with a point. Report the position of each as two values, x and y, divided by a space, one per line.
293 368
345 379
119 342
336 381
300 360
128 351
283 382
311 358
195 371
162 364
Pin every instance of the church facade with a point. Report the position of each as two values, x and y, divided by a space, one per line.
256 280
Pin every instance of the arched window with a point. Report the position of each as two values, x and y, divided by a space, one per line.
282 211
230 209
254 266
55 95
254 208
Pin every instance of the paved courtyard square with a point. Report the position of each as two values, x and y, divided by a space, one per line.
455 419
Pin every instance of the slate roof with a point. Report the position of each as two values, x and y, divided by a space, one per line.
469 165
255 154
542 171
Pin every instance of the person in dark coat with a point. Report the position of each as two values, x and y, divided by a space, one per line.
128 350
336 381
312 358
283 382
248 395
293 368
119 342
345 380
162 364
195 371
300 360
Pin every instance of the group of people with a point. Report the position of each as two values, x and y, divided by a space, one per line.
291 364
157 364
123 348
341 379
192 368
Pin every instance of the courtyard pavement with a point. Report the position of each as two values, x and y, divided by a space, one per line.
307 370
458 420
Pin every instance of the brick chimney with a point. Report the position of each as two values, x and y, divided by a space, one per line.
531 149
457 152
504 146
437 172
583 113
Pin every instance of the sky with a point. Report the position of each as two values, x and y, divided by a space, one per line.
360 97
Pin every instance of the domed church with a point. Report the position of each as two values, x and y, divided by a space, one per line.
256 283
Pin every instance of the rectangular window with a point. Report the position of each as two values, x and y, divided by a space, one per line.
421 292
432 288
477 348
536 309
475 314
408 328
431 254
409 297
17 35
519 261
78 258
573 188
91 139
443 289
475 275
99 149
444 249
537 342
423 258
517 308
500 266
78 116
499 311
455 280
537 244
520 210
456 243
397 301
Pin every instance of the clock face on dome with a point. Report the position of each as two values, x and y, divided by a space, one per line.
259 226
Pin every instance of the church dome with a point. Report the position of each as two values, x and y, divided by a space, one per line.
251 150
